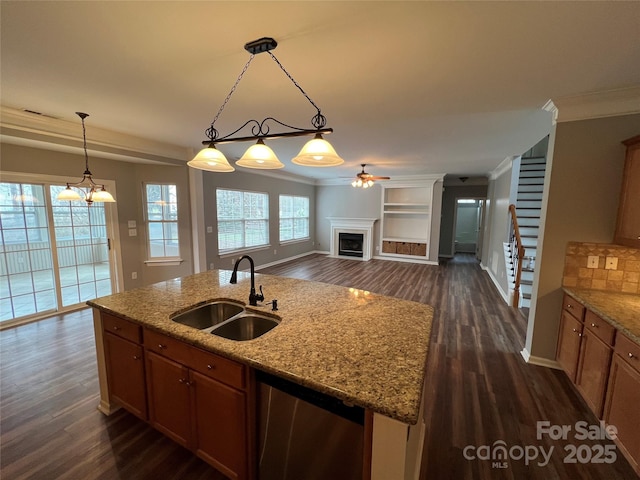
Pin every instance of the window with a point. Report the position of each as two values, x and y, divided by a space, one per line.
243 219
294 217
162 221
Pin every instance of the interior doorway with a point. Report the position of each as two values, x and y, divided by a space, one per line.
468 226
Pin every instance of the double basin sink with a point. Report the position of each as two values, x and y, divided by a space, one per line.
226 319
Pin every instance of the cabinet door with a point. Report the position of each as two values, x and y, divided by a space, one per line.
168 388
221 425
569 344
593 370
628 223
125 374
623 406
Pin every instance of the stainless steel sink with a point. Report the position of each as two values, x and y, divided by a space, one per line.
245 327
208 315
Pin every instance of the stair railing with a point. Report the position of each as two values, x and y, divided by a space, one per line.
517 253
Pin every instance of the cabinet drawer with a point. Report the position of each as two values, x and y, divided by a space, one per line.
121 327
599 327
573 306
403 248
167 346
629 350
217 367
388 247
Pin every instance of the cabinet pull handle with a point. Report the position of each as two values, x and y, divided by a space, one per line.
136 357
161 346
211 367
631 355
575 330
116 328
183 380
569 305
594 325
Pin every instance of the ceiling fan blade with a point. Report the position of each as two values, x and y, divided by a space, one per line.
372 177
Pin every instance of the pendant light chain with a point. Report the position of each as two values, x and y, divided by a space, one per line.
211 132
319 120
84 143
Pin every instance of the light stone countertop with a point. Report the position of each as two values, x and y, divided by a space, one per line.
365 349
622 310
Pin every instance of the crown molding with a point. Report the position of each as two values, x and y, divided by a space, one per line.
610 103
27 129
504 167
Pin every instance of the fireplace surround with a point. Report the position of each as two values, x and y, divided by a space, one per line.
352 226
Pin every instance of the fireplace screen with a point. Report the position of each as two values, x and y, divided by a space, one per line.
350 244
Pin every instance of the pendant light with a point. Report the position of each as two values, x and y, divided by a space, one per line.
260 156
211 159
316 153
96 192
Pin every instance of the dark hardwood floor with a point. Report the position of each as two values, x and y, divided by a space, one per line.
479 389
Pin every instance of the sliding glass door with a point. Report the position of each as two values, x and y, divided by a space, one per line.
53 254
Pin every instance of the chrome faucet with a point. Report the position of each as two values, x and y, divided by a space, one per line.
254 297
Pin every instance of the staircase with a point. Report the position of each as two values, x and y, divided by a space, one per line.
528 208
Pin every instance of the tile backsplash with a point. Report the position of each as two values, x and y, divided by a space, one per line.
625 278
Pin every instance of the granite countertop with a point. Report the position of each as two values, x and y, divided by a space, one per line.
622 310
365 349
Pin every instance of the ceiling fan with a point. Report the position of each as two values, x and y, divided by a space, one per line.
364 179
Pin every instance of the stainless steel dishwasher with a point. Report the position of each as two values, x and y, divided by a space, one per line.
306 435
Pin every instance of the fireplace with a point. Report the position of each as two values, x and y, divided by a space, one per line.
357 244
350 244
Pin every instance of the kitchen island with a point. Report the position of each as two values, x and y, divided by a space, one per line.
364 349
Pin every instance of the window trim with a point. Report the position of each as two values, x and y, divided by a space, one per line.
222 253
295 240
166 260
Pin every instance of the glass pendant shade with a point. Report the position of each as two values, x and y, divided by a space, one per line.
211 159
102 196
68 194
317 153
260 156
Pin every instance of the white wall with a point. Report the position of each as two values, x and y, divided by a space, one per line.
497 228
582 191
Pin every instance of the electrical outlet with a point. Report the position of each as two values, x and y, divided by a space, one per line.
133 232
211 266
134 275
209 229
275 251
592 261
611 263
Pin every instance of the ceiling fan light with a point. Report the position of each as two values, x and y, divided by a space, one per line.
102 196
260 156
317 152
370 183
212 160
68 194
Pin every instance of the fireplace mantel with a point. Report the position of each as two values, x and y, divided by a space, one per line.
363 226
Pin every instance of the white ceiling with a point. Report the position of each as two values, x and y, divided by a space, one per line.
408 87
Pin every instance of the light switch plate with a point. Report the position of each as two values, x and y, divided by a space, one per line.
611 263
209 229
133 232
131 223
592 261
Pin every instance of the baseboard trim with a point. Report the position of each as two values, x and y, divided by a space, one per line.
288 259
504 296
540 361
404 259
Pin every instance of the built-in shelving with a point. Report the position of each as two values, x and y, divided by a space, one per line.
406 218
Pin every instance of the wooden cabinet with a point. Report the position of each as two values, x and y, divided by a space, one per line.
202 401
125 366
570 336
594 361
628 222
169 398
622 407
